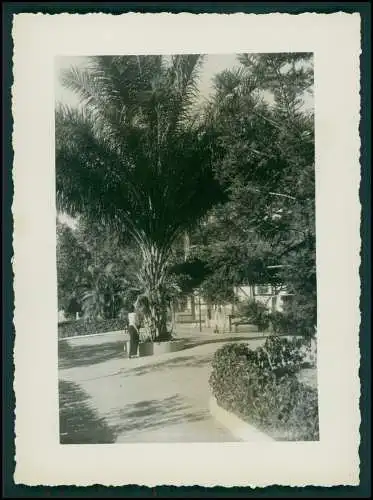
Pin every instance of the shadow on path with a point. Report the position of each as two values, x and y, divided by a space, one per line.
156 414
184 361
189 343
85 355
175 362
75 356
79 422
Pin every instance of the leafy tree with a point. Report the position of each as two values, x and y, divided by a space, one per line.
72 258
110 282
134 157
96 274
265 162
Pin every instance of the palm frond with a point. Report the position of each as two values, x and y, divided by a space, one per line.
130 156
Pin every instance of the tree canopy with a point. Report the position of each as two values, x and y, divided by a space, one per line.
96 270
264 159
239 178
134 157
132 154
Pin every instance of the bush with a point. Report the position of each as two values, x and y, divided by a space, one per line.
279 323
291 321
256 312
296 319
83 327
262 388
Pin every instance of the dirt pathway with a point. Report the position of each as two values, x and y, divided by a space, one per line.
153 399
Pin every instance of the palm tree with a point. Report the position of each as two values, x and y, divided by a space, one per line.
133 156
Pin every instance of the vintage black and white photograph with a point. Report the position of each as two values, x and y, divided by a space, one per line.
186 248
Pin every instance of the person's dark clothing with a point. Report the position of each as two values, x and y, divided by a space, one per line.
134 340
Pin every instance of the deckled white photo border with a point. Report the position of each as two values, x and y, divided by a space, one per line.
40 459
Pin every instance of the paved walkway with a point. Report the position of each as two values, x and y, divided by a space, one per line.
153 399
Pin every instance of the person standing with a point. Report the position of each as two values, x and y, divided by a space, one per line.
133 330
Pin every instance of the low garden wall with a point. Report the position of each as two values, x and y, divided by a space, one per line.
79 333
238 427
262 388
95 339
155 348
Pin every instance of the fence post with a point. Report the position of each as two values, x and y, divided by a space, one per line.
199 312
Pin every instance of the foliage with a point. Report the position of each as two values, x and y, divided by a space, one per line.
168 294
82 327
287 354
189 274
256 312
73 306
264 159
96 271
262 388
72 257
300 313
133 157
294 320
216 290
297 318
239 179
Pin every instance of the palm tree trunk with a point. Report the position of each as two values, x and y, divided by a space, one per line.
153 276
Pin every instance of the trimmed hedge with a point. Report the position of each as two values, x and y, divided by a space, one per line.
80 327
261 387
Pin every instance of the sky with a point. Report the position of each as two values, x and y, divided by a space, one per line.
213 64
